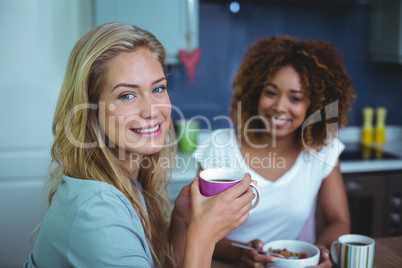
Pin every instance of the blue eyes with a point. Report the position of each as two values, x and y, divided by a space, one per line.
129 96
158 90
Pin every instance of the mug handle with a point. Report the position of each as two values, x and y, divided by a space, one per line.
335 251
257 199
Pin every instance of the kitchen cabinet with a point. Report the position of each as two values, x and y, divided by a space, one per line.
365 193
173 22
386 31
375 202
393 205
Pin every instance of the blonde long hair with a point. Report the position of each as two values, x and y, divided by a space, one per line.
80 151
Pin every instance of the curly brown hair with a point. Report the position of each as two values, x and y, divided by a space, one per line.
323 77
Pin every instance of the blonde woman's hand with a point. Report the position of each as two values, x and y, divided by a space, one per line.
218 215
179 224
212 218
182 208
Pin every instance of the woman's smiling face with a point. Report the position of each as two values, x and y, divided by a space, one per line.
283 103
136 106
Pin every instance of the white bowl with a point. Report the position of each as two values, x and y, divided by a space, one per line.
294 246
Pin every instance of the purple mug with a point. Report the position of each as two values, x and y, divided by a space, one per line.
216 180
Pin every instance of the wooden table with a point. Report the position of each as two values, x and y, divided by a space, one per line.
388 254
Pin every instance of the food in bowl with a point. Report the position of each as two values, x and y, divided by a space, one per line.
289 254
295 246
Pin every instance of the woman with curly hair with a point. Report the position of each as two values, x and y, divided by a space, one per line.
107 205
290 97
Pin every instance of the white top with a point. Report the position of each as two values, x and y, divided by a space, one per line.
287 206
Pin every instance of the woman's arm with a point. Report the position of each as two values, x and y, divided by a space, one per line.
334 205
179 224
225 251
209 220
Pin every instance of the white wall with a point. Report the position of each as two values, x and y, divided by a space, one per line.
36 37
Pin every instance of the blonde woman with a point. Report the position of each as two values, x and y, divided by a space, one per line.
112 127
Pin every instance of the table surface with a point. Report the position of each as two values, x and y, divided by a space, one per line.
388 254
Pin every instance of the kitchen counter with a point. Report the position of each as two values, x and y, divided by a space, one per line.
393 146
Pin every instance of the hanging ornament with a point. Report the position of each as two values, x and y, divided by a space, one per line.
190 57
190 62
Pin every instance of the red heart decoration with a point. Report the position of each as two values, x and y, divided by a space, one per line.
190 61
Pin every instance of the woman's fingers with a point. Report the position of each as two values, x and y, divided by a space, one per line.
254 259
238 189
256 243
241 193
246 198
228 209
244 213
195 185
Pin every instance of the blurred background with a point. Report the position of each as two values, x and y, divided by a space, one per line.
38 35
224 37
